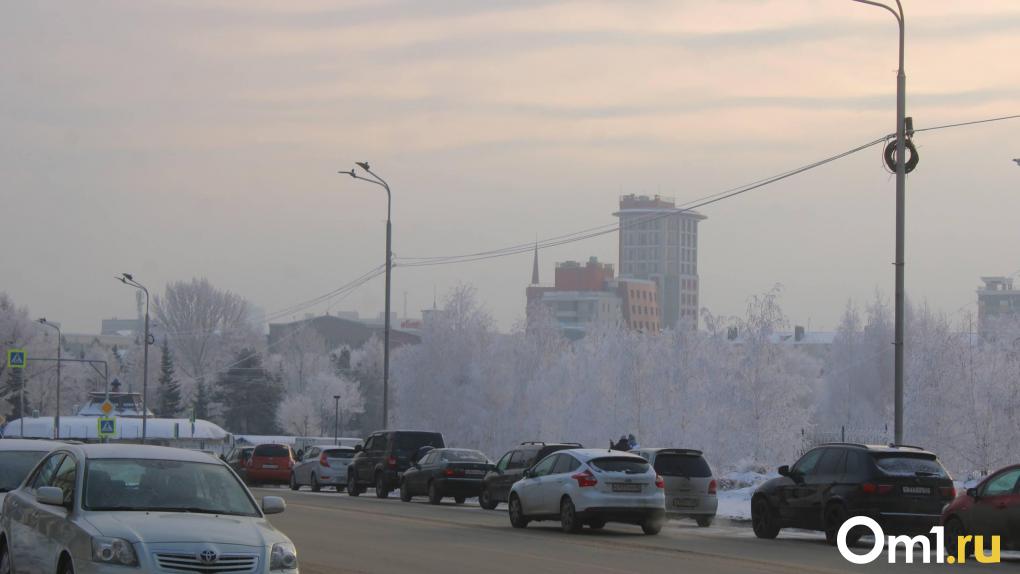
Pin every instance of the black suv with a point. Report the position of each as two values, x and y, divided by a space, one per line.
496 484
902 487
385 457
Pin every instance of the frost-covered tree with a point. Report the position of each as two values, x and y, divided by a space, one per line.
249 395
168 398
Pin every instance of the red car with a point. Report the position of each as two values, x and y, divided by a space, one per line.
269 463
990 509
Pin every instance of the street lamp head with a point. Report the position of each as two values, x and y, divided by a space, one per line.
350 173
362 164
336 397
42 320
128 276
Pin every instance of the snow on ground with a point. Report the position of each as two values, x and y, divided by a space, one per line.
735 491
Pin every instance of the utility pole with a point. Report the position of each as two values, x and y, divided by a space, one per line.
336 421
127 279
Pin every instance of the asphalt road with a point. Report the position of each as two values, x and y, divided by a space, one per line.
336 533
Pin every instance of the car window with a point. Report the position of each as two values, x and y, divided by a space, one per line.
64 479
519 459
15 466
412 441
49 467
428 458
854 463
897 464
462 455
545 467
831 462
1002 484
503 462
272 450
628 465
807 463
565 463
339 453
381 443
688 465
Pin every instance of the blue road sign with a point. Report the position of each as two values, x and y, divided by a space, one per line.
107 426
16 358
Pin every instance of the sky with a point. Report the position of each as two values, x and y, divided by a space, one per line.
179 139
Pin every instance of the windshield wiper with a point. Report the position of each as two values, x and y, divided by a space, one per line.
190 509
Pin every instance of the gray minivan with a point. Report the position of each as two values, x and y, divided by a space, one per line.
690 486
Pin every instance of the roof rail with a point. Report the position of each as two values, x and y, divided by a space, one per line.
843 444
896 445
532 442
682 450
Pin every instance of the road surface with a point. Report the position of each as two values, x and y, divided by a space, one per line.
335 533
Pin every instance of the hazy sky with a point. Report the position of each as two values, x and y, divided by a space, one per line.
180 139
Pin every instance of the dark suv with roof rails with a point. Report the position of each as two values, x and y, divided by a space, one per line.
903 488
510 468
385 456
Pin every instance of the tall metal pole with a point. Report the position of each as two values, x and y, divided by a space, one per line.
336 421
127 279
901 185
56 418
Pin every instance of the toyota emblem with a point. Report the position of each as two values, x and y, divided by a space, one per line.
208 557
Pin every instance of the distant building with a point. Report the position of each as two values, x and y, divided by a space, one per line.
338 332
659 242
997 299
639 300
124 327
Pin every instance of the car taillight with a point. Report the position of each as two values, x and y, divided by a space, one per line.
872 488
323 461
948 491
660 482
712 486
391 462
453 472
585 479
290 463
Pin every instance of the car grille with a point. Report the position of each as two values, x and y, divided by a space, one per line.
191 563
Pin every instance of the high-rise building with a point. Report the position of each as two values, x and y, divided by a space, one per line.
997 301
659 242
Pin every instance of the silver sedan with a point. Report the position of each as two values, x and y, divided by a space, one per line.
127 508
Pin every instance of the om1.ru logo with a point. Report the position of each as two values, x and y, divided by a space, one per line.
910 544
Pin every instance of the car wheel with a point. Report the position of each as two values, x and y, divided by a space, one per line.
5 560
434 495
835 515
315 484
597 524
517 518
459 499
568 517
652 526
485 500
293 482
380 486
405 494
704 521
352 484
954 529
762 520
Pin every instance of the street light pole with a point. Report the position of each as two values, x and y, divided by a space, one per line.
56 419
336 421
389 268
127 279
901 177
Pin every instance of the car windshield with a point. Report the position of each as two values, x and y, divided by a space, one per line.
464 456
412 441
691 466
165 486
271 450
15 465
906 465
621 464
339 453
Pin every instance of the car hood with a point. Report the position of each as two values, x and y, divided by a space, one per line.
168 527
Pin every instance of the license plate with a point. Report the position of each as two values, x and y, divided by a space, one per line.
684 502
916 490
475 473
270 466
624 487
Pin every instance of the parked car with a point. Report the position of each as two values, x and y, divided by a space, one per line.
322 466
903 488
269 464
590 486
690 486
238 459
17 458
992 508
113 507
510 468
456 472
385 457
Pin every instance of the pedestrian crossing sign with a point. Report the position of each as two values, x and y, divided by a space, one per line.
107 426
16 358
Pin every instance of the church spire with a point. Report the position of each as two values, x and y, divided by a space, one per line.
534 268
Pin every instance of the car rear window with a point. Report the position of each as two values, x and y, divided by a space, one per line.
909 465
415 440
688 465
621 464
463 456
339 453
271 450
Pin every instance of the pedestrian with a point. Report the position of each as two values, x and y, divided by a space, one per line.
622 444
631 442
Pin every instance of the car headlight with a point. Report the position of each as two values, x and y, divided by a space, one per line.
114 551
283 557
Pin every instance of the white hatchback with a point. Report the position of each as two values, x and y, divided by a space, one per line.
590 486
96 509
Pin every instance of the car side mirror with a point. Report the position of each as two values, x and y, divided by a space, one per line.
527 473
50 495
357 448
784 470
273 505
973 493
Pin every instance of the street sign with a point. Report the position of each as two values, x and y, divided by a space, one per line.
107 427
16 358
107 407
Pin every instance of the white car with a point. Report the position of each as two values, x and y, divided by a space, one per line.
320 466
590 486
17 458
117 509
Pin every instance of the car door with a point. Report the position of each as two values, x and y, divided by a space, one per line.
495 476
990 514
531 487
417 478
363 464
795 490
52 529
309 464
519 461
819 486
24 516
557 481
